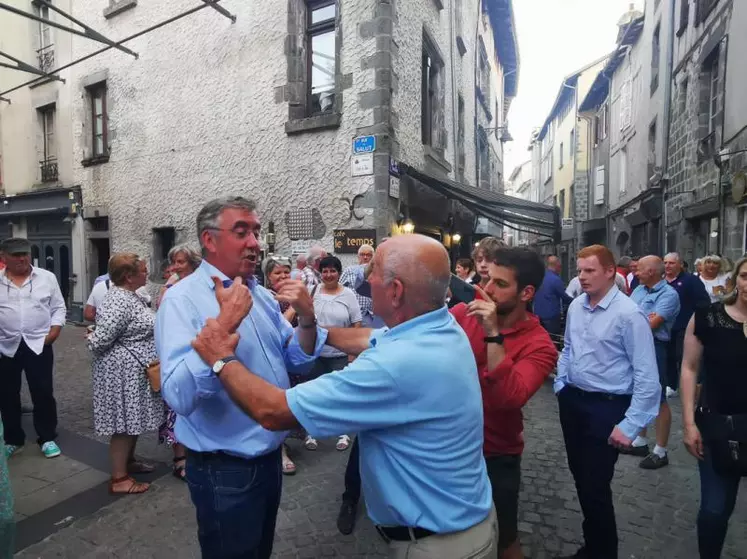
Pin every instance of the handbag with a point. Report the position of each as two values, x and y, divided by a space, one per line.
725 437
152 370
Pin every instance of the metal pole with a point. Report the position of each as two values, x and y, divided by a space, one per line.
125 40
89 31
221 10
23 67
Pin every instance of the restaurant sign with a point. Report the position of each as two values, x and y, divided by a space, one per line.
348 241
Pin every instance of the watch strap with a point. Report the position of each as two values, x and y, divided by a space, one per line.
493 339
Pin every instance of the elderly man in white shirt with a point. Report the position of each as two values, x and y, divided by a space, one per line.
32 314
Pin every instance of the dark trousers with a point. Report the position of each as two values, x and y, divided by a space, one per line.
675 348
352 492
718 495
587 420
38 370
237 503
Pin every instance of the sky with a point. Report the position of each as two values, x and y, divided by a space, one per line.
556 38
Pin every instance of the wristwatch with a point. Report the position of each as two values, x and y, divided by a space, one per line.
311 324
494 339
220 363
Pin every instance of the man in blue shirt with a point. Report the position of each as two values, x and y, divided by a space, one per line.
551 296
693 295
233 463
413 395
659 301
608 390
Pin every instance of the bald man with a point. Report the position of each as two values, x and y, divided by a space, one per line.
411 395
660 302
551 296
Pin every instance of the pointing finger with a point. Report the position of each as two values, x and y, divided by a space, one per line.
218 284
238 280
482 293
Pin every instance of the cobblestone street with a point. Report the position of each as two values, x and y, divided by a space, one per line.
65 511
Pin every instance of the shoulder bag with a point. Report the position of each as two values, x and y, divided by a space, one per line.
152 369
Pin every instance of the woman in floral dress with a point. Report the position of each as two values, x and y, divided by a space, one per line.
183 260
123 344
7 518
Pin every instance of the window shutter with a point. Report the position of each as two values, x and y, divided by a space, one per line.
626 94
599 186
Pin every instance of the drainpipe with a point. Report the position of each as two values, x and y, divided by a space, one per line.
721 193
454 92
667 123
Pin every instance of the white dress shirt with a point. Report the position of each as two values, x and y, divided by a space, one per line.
28 312
100 290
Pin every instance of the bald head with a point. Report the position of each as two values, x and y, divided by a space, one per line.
650 270
553 263
410 277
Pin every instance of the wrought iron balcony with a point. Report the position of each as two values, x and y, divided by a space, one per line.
45 57
48 170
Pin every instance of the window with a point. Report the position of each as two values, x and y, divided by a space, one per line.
562 156
561 203
164 239
458 7
321 47
626 101
651 149
483 154
572 201
601 123
702 9
599 186
46 146
45 48
684 16
623 157
483 78
713 90
572 145
99 121
432 104
655 56
683 96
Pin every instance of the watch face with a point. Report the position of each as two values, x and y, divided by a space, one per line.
218 366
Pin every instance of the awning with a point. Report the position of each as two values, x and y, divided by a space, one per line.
508 211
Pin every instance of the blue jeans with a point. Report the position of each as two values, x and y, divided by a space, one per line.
237 503
718 495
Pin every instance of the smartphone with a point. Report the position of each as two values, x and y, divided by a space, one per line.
461 290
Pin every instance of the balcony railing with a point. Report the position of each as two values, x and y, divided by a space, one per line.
48 170
45 57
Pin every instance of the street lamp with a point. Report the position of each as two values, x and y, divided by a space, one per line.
408 227
456 237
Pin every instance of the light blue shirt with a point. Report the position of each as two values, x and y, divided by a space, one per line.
661 299
414 398
610 349
207 419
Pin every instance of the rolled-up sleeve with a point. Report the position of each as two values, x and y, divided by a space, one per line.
639 347
361 397
297 361
185 377
57 306
668 306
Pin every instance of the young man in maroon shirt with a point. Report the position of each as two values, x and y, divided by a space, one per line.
514 356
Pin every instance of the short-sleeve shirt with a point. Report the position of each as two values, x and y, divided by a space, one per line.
336 311
414 398
715 287
100 289
661 299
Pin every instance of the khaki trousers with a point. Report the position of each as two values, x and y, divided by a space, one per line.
478 542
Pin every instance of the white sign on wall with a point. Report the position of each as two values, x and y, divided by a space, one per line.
394 187
361 165
567 223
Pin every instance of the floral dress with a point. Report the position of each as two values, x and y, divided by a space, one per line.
123 344
7 517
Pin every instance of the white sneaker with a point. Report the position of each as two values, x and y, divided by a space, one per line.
671 393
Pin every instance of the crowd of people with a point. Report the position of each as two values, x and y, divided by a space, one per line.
229 372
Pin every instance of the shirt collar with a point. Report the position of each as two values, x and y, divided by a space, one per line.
34 273
436 317
207 271
605 302
658 287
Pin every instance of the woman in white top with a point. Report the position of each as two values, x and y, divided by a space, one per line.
711 276
335 306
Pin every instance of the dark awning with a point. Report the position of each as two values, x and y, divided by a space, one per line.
514 213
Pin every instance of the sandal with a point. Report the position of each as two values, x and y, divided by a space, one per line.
139 467
289 468
180 472
343 443
136 487
310 443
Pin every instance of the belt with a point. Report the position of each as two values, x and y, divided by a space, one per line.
403 533
222 456
598 395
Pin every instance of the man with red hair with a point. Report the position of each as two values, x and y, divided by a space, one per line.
608 390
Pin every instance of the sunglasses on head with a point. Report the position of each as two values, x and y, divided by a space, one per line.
282 260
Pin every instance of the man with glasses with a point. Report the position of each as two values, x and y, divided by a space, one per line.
233 463
32 314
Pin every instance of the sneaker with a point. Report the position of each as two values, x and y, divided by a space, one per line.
50 449
641 451
310 443
11 449
654 462
346 518
671 393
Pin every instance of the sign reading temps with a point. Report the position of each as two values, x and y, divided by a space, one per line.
348 241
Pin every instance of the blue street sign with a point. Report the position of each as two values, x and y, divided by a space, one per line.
364 144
